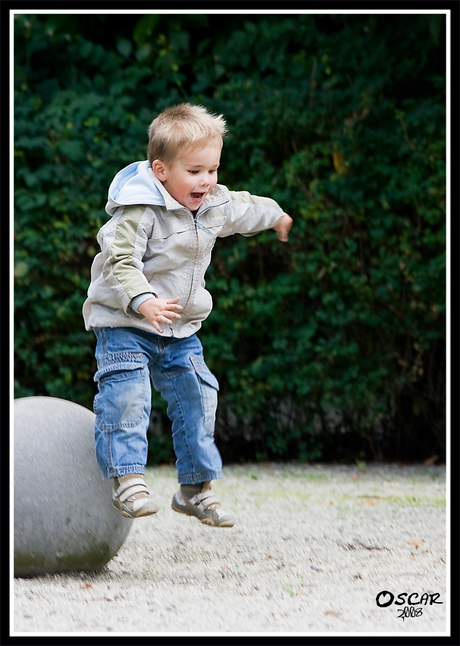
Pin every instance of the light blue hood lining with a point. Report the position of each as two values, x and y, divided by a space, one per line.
134 184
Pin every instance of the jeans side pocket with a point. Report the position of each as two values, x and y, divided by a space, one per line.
123 392
209 387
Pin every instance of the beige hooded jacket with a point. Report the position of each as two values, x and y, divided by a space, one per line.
152 244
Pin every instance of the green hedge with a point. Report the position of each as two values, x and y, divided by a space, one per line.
330 347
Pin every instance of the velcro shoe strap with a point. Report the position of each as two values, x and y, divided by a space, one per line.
204 500
131 487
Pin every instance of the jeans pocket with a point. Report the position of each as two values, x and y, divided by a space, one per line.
203 371
123 391
209 387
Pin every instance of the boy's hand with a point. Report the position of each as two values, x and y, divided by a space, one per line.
160 310
283 227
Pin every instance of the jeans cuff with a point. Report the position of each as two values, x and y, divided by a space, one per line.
205 476
123 471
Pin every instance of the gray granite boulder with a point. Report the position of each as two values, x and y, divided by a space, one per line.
63 514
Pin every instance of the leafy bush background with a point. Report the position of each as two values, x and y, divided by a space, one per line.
330 347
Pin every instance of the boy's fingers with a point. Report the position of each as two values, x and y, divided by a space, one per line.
172 304
172 314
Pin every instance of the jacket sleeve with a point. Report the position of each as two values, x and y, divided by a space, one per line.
123 245
249 214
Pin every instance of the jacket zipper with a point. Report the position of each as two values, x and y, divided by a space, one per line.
203 228
195 259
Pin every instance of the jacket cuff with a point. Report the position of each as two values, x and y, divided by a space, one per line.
138 300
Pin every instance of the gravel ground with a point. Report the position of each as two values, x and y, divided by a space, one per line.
312 548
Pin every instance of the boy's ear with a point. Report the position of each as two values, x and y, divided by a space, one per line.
158 168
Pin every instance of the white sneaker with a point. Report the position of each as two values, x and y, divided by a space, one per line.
132 498
199 501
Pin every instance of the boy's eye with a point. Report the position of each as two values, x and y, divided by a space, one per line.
195 172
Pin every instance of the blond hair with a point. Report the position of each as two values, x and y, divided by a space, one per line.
182 126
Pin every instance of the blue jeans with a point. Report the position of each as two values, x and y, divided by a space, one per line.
129 359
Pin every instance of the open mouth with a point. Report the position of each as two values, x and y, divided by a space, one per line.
197 197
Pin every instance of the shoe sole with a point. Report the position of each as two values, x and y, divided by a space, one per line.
205 521
140 514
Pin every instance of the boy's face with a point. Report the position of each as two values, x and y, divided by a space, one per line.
192 176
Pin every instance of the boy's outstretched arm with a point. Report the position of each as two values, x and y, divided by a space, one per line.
283 227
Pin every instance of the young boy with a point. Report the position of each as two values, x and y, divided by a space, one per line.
147 300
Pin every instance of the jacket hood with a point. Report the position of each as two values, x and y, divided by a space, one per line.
134 184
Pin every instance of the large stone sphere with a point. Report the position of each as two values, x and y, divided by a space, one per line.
63 514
